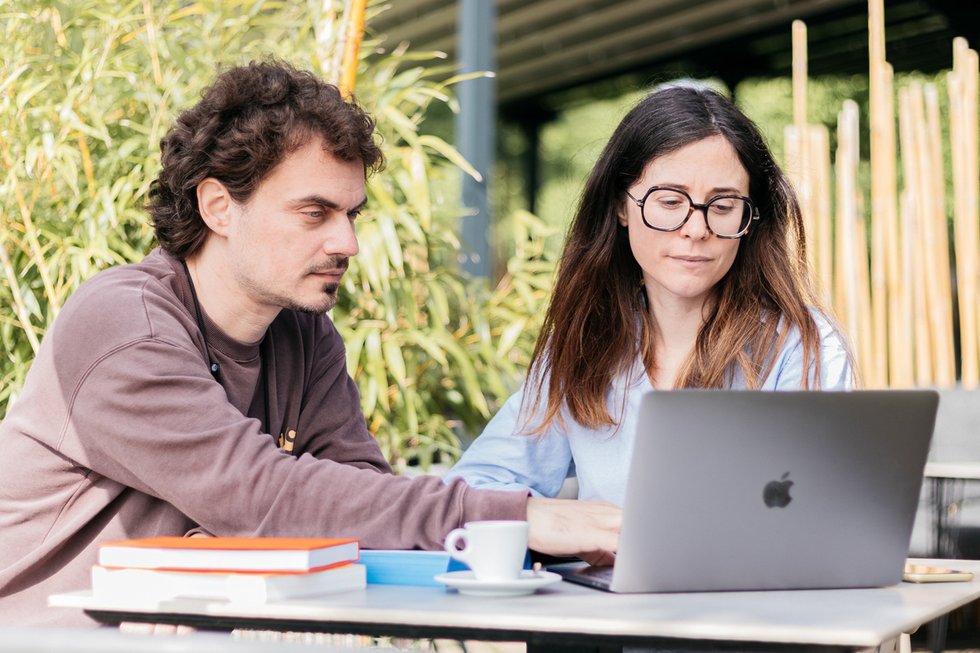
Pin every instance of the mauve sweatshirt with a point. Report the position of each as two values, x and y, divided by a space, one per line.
122 432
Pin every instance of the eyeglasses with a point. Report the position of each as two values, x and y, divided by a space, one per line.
669 209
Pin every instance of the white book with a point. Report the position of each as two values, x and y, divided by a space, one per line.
162 585
272 554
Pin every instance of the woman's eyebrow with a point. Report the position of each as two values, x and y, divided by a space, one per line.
717 190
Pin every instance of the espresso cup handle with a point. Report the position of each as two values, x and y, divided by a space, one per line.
455 537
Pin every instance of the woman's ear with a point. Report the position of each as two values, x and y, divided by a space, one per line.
215 205
622 217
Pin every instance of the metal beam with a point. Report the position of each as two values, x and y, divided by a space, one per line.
475 128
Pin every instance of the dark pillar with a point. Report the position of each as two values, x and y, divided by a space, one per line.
475 127
532 158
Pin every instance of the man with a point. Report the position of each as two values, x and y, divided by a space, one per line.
204 390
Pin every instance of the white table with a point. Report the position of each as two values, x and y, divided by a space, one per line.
958 469
569 617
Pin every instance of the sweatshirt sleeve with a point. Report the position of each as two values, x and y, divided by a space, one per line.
148 415
505 457
331 415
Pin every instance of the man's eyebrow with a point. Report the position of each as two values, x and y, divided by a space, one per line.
320 200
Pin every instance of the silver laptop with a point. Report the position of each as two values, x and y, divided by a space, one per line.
749 490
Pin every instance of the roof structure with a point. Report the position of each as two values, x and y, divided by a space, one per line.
546 47
548 54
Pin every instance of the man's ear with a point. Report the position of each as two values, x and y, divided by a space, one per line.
215 205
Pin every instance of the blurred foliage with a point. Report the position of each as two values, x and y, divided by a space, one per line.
88 89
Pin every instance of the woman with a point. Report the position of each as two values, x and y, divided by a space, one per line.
684 268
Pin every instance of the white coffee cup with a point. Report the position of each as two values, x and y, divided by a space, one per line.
494 550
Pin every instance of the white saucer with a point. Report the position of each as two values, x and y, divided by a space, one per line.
466 583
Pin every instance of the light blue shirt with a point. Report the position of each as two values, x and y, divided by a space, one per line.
506 458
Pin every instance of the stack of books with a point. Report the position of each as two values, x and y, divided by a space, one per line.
238 569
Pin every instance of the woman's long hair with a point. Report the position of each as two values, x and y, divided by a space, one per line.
597 322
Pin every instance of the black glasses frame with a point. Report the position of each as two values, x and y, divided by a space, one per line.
753 211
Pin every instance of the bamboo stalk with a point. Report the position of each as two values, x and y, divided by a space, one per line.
352 46
30 231
324 32
964 239
799 74
889 207
151 36
912 231
822 241
880 103
970 71
853 297
926 234
962 87
932 236
800 171
935 183
904 373
20 308
87 166
847 298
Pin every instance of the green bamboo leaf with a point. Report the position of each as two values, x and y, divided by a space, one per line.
354 343
509 336
405 128
437 303
12 77
471 390
418 190
389 237
427 343
374 368
445 149
394 362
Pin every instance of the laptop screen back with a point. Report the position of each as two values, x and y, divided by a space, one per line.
748 490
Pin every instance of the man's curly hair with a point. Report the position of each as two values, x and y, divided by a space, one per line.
246 123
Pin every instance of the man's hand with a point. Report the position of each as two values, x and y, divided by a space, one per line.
587 529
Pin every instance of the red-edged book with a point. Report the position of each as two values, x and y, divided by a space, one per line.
263 554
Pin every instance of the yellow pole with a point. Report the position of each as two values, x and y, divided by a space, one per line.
912 231
352 46
883 192
823 241
852 272
935 181
800 167
963 146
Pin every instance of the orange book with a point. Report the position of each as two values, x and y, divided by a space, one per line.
262 554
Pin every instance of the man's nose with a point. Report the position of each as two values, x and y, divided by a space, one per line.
341 240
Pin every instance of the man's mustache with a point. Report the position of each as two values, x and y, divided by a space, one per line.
333 265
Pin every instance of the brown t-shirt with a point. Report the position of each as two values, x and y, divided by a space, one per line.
121 431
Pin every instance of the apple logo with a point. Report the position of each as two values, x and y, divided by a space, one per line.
776 493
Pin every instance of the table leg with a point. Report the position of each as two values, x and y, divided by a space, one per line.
947 493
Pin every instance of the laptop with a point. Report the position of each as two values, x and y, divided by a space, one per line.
750 490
